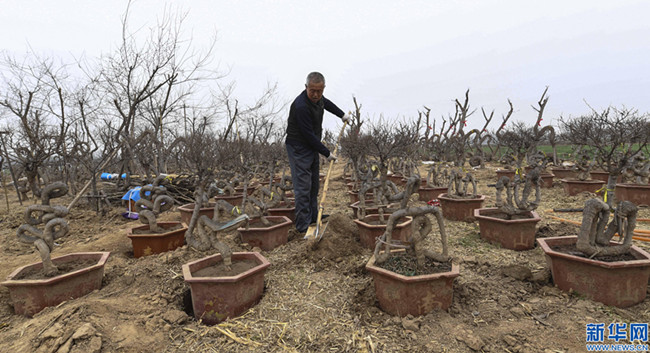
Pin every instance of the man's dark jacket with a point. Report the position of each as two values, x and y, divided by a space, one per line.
305 125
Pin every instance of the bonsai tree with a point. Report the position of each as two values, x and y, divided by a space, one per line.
614 135
153 201
595 234
638 169
514 204
583 165
422 227
55 225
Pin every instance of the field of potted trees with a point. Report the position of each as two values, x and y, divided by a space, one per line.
440 237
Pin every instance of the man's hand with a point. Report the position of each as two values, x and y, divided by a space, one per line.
346 118
331 157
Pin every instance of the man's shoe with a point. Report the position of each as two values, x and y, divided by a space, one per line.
323 218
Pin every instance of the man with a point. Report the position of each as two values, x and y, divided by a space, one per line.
304 133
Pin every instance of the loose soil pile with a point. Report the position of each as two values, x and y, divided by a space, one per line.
318 300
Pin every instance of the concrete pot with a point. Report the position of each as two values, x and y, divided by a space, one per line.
635 193
621 283
460 209
547 180
415 295
187 210
31 296
368 232
267 238
215 299
155 243
573 187
514 234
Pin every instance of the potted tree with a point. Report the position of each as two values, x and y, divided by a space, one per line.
53 280
591 264
615 136
417 280
512 223
225 284
261 230
155 237
582 182
638 190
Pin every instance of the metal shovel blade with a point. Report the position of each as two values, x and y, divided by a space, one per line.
225 226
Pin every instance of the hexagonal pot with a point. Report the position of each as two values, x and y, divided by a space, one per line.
573 186
602 175
187 210
215 299
635 193
235 200
398 179
354 196
415 295
460 209
510 173
155 243
284 209
430 193
249 191
619 283
547 180
369 232
513 234
31 296
563 173
370 208
267 238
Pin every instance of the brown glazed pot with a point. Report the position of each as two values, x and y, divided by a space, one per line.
460 209
398 179
368 232
155 243
215 299
430 193
563 173
235 200
547 180
31 296
620 283
370 208
573 187
187 210
249 191
510 173
604 176
267 238
635 193
284 209
515 234
415 295
354 196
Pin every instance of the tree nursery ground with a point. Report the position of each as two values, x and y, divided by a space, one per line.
315 300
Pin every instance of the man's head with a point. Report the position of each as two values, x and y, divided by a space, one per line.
315 86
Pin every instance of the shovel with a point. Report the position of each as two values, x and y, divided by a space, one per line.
315 232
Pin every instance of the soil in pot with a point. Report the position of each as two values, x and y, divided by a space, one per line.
64 267
165 230
219 269
406 265
571 249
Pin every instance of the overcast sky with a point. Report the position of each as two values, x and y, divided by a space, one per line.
394 56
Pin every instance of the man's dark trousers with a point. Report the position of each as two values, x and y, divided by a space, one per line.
304 164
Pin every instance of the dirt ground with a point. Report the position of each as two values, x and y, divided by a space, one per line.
314 301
